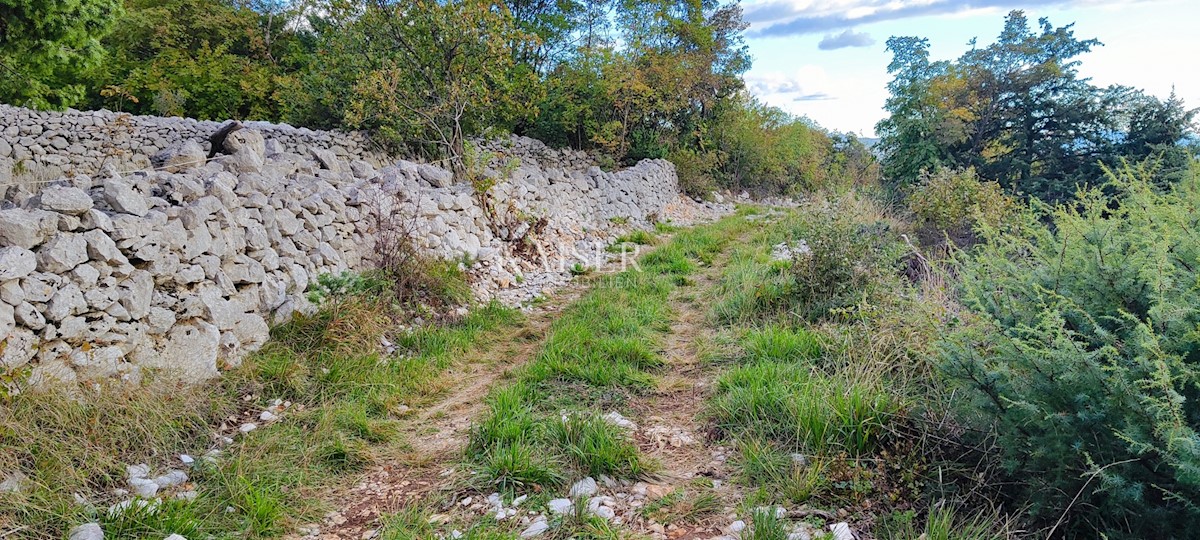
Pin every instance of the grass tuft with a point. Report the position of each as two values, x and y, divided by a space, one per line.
597 447
801 407
778 344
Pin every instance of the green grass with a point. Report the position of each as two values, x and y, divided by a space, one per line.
639 237
347 395
629 242
765 525
663 227
600 349
779 344
519 466
752 287
943 523
802 407
597 447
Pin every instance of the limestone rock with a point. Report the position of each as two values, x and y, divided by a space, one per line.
65 200
246 140
21 345
189 352
63 253
584 488
135 293
16 262
8 322
66 301
26 228
326 158
87 531
97 362
123 198
102 248
436 176
181 157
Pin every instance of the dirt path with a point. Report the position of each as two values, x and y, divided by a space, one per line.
435 434
670 428
673 430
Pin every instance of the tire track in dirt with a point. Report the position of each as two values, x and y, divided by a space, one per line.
434 435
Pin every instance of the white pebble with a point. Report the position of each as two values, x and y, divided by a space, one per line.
559 506
87 531
537 527
584 488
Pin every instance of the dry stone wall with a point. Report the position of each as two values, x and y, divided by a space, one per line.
52 143
182 270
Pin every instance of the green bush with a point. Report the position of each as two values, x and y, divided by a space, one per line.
853 253
956 201
1080 355
695 171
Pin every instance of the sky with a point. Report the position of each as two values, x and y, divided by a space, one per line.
827 59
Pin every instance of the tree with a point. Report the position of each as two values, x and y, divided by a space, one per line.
690 55
435 72
1018 113
45 45
199 58
1156 130
1039 128
553 22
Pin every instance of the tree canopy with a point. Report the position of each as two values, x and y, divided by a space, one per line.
44 46
1018 112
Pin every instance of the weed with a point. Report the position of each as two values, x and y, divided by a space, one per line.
665 227
685 505
598 447
640 237
410 523
802 407
509 419
766 524
779 344
944 523
519 466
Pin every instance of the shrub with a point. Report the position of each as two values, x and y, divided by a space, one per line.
695 172
412 277
1081 355
852 254
955 201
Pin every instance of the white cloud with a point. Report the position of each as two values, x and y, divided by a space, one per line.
837 103
848 38
796 17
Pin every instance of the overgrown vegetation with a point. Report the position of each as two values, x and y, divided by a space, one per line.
1079 356
346 394
1054 349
